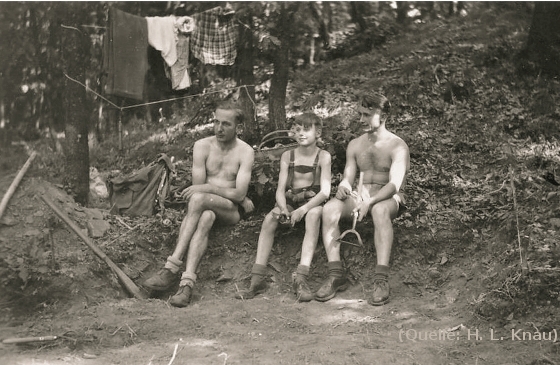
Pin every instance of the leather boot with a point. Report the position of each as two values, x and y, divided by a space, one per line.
302 290
328 290
258 286
182 298
161 281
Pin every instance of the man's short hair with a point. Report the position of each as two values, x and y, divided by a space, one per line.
375 101
307 120
233 106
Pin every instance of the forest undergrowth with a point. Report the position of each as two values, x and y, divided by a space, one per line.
484 137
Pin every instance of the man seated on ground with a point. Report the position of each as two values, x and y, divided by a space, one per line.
221 174
384 159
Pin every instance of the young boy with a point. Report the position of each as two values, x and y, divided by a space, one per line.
304 184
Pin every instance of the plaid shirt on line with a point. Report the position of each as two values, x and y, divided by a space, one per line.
214 38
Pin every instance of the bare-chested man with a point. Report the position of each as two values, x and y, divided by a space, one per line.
221 173
384 159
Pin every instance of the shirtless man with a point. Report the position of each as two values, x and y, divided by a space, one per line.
221 173
384 159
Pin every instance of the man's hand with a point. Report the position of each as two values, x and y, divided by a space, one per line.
342 192
247 205
362 208
363 203
187 193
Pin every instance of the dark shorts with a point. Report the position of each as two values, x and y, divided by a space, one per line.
242 214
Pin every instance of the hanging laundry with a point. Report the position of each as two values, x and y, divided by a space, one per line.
163 37
179 72
167 34
214 37
125 57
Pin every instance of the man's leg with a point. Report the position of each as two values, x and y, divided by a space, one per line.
264 247
225 211
333 211
312 228
382 215
197 248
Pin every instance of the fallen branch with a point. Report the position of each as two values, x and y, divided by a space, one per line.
128 284
174 354
522 248
15 183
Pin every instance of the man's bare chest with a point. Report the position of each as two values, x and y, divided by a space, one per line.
225 165
376 157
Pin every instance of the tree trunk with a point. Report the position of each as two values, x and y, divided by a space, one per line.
74 53
402 8
244 76
357 15
279 81
543 43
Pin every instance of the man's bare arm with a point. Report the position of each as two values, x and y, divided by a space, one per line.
397 174
199 162
243 176
350 169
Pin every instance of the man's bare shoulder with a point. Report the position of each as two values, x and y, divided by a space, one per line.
397 141
204 142
357 142
245 148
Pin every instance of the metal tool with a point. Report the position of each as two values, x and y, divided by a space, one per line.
346 236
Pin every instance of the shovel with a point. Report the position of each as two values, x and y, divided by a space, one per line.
346 236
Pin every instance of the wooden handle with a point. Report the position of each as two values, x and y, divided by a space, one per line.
123 278
15 183
29 339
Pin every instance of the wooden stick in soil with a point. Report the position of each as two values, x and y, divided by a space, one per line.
127 283
522 247
15 183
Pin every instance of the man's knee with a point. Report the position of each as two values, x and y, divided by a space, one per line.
383 211
197 201
207 219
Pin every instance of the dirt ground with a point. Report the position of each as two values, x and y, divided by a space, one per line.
65 291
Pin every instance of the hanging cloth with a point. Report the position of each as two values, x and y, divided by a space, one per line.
168 35
179 72
162 36
214 37
125 57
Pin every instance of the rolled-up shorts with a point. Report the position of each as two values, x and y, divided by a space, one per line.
399 198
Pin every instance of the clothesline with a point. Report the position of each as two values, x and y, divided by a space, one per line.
121 108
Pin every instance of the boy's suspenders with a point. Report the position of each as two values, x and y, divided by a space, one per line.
291 170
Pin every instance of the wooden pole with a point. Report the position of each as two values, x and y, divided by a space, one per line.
127 282
15 183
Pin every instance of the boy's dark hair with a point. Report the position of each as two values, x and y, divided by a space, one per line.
229 104
375 101
308 119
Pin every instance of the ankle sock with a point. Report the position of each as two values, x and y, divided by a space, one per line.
381 272
258 274
259 269
302 270
188 279
335 269
173 265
